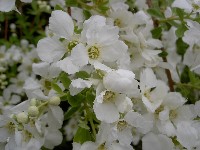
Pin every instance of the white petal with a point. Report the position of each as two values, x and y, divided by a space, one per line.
4 134
137 120
79 55
67 66
78 85
41 68
152 141
187 135
113 52
27 1
61 24
182 4
88 145
7 5
173 100
52 138
50 50
106 112
147 78
57 112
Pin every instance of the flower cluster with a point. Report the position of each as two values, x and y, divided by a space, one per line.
106 76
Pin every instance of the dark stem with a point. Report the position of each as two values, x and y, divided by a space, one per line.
167 71
6 29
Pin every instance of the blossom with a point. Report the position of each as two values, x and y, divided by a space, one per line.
8 5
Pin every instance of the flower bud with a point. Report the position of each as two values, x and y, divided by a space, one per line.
54 101
22 117
33 102
33 111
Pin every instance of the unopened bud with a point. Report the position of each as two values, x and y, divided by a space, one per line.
33 111
54 101
22 117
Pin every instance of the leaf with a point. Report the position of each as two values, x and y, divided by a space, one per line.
71 3
156 32
155 13
56 87
83 124
163 54
65 80
87 14
82 135
181 30
82 75
76 100
90 97
70 112
181 47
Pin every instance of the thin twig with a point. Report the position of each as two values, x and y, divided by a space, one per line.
167 71
6 29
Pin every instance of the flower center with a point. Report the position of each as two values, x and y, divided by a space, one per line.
71 45
172 114
102 147
117 22
93 52
11 127
109 95
121 125
195 6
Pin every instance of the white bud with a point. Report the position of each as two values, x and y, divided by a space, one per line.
33 102
22 117
54 101
33 111
3 76
12 26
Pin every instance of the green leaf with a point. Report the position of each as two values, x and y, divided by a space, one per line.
90 97
181 30
76 100
155 13
83 124
156 32
65 80
82 135
163 54
71 3
58 7
87 14
181 47
82 75
56 87
70 112
180 13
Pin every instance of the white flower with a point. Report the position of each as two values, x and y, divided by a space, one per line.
8 5
187 135
143 123
187 5
153 141
153 91
78 85
108 105
121 81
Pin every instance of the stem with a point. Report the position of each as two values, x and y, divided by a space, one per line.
43 104
188 85
167 71
90 119
6 29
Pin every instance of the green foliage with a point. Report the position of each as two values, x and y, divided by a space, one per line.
155 13
65 80
189 86
156 32
181 47
82 75
82 135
